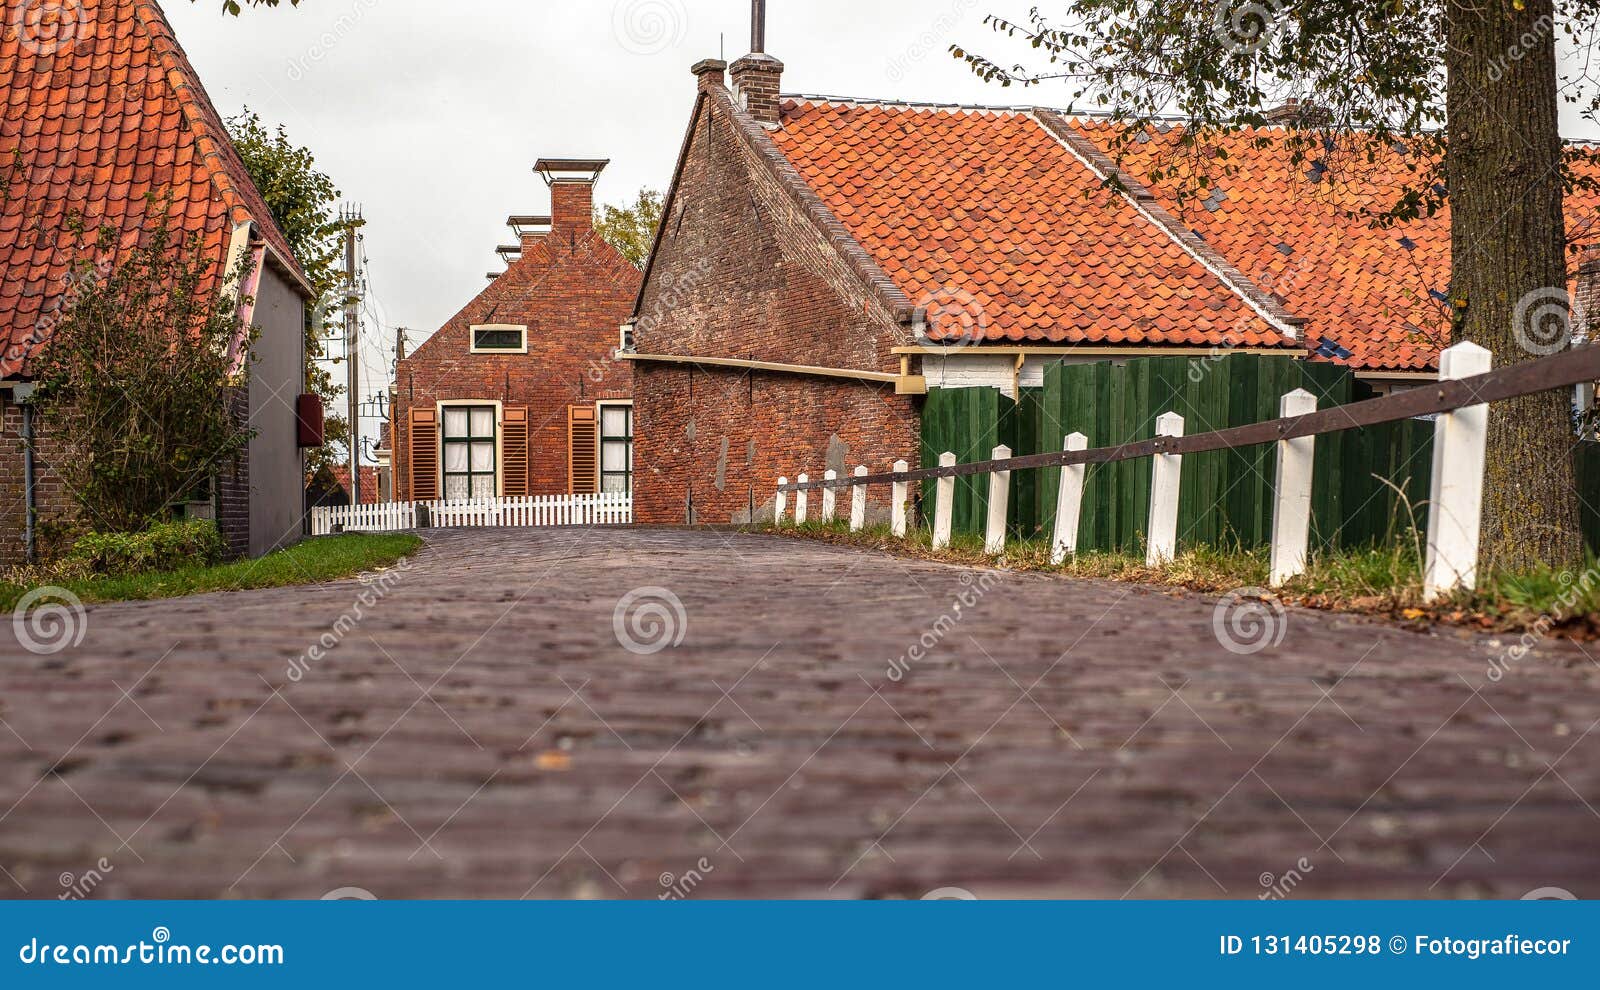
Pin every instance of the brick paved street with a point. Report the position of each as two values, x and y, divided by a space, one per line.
481 732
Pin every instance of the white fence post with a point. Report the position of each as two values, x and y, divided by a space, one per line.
1069 504
800 499
830 498
782 504
944 511
1456 515
858 502
902 496
1163 532
1291 513
994 541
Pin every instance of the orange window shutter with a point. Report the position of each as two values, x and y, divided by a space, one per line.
424 454
583 446
514 451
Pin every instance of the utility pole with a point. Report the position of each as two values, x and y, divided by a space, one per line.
352 333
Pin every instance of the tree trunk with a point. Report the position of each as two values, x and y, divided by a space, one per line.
1508 239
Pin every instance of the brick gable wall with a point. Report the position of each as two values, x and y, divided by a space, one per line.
742 271
573 291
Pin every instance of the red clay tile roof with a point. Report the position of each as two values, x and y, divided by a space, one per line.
101 111
1007 205
1370 291
1380 294
993 214
369 481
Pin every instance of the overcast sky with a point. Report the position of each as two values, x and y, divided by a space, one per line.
431 114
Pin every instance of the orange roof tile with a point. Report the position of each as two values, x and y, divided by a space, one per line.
997 222
102 110
1380 294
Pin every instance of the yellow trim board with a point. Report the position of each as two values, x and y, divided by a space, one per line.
790 369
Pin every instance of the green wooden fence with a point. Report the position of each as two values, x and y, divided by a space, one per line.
1369 482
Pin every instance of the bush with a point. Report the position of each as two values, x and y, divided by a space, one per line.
164 547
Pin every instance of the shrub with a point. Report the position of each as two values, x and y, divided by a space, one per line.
164 547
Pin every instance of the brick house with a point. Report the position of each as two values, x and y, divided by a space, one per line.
520 393
104 119
824 261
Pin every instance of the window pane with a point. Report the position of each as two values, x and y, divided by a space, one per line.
455 457
482 423
455 487
455 422
497 340
614 456
483 457
482 486
616 483
615 421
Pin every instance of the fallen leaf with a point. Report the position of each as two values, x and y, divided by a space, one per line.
554 760
1413 614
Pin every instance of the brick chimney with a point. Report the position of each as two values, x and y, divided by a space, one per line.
758 77
571 182
1586 297
757 80
710 72
530 231
1297 113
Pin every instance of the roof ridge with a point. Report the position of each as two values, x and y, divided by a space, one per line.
908 104
211 135
833 230
1144 201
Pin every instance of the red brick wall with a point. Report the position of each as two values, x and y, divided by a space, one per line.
573 291
233 486
751 428
56 509
58 513
743 272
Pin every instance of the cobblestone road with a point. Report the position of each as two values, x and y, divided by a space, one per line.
484 731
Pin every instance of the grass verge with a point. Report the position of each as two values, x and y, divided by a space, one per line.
1385 582
310 562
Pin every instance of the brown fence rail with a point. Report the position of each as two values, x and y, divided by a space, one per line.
1461 400
1569 368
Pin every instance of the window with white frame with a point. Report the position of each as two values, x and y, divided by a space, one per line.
497 338
616 447
469 452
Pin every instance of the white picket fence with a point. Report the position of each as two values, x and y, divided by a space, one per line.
611 509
